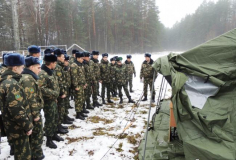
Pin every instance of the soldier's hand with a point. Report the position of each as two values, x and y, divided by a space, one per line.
37 119
85 86
29 133
63 96
100 81
134 75
77 89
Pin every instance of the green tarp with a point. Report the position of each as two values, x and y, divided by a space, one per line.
210 132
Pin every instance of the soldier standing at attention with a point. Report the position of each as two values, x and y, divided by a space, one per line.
90 78
16 114
113 80
96 71
79 85
147 73
34 51
35 100
121 80
3 66
73 57
67 69
50 89
61 100
105 69
131 71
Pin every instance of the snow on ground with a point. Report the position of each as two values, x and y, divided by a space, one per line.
92 138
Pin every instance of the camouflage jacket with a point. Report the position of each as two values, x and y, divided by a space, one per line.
89 75
105 71
67 72
113 72
2 69
131 68
121 74
77 74
60 74
147 70
72 60
48 84
16 113
96 68
33 93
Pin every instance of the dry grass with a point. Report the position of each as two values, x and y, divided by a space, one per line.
90 153
101 132
73 127
97 119
120 148
72 140
134 138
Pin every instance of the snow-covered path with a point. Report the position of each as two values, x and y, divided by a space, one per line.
92 138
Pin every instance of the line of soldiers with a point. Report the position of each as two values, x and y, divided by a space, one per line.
27 87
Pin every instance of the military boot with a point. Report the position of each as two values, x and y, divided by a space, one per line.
130 100
89 106
98 104
131 91
61 130
109 101
50 143
66 121
64 127
79 116
84 115
39 158
68 118
103 101
84 109
121 100
145 98
57 138
12 150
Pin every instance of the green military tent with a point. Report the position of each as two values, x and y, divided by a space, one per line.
203 82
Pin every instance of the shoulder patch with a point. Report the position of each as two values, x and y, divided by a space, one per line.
59 74
18 96
31 90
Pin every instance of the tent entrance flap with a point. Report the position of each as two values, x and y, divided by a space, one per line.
198 90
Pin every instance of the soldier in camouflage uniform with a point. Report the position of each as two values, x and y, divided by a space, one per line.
113 80
3 67
105 70
16 114
96 71
121 80
34 51
35 100
67 69
131 71
48 51
90 78
79 85
50 89
73 57
147 73
61 100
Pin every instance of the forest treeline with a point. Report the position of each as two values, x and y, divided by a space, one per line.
114 26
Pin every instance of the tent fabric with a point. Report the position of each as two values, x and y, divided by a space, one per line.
210 132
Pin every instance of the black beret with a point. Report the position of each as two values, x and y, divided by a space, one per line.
129 56
29 61
48 51
14 59
34 49
79 54
148 55
67 58
58 52
105 55
74 51
50 58
95 52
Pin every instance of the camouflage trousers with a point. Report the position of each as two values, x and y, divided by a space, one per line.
104 87
148 82
95 91
130 82
87 93
67 101
125 89
22 150
36 139
61 103
79 99
113 86
51 117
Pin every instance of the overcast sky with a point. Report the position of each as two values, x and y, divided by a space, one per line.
172 11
